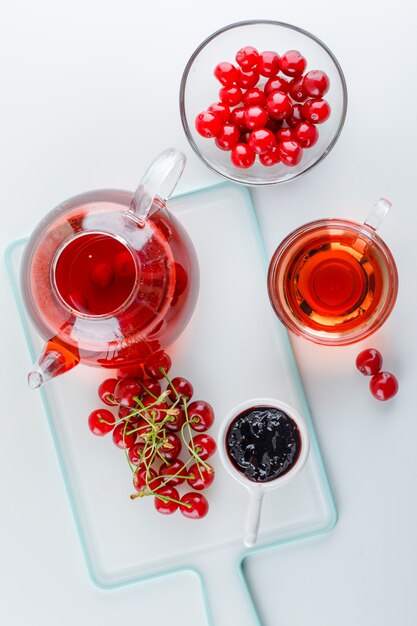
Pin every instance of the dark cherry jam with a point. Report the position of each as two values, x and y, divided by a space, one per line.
263 443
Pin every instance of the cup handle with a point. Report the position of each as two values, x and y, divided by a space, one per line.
158 182
378 213
253 517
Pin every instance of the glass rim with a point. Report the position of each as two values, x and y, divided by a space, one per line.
183 114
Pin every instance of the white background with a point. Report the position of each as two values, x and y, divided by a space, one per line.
89 94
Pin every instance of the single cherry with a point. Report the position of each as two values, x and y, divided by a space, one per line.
146 477
101 422
276 84
126 391
369 362
122 438
208 124
171 448
296 90
247 57
284 134
106 391
228 137
254 96
271 157
306 134
242 155
293 63
296 116
316 111
158 365
278 105
230 95
175 422
262 140
247 78
194 505
290 152
221 110
316 83
237 118
138 455
168 473
268 63
204 445
152 387
165 505
383 386
226 73
200 477
183 387
201 415
255 117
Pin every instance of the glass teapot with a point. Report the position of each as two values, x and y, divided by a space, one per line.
110 277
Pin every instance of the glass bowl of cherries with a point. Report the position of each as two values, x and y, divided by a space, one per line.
262 102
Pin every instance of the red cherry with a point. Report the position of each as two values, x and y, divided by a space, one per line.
271 157
306 134
247 79
156 412
165 506
138 455
201 415
171 449
268 63
130 371
230 95
175 422
122 438
221 110
261 140
242 155
226 73
247 57
369 362
208 124
183 387
316 83
228 137
296 90
168 473
204 445
276 84
106 391
146 477
152 387
101 422
254 96
383 386
284 134
200 476
237 117
316 111
158 365
126 391
141 427
278 105
296 116
255 117
293 63
290 152
194 505
102 275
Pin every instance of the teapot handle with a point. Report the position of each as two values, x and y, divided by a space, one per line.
158 182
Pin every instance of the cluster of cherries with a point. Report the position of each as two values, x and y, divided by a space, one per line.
383 385
153 426
275 119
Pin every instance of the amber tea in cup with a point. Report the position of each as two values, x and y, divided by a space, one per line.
334 281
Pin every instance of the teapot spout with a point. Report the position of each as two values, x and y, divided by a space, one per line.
54 360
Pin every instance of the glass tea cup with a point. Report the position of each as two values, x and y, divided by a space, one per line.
334 281
249 411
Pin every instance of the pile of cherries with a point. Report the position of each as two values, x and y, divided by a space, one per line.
153 426
275 119
383 385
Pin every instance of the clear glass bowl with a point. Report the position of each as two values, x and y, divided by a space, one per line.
199 88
